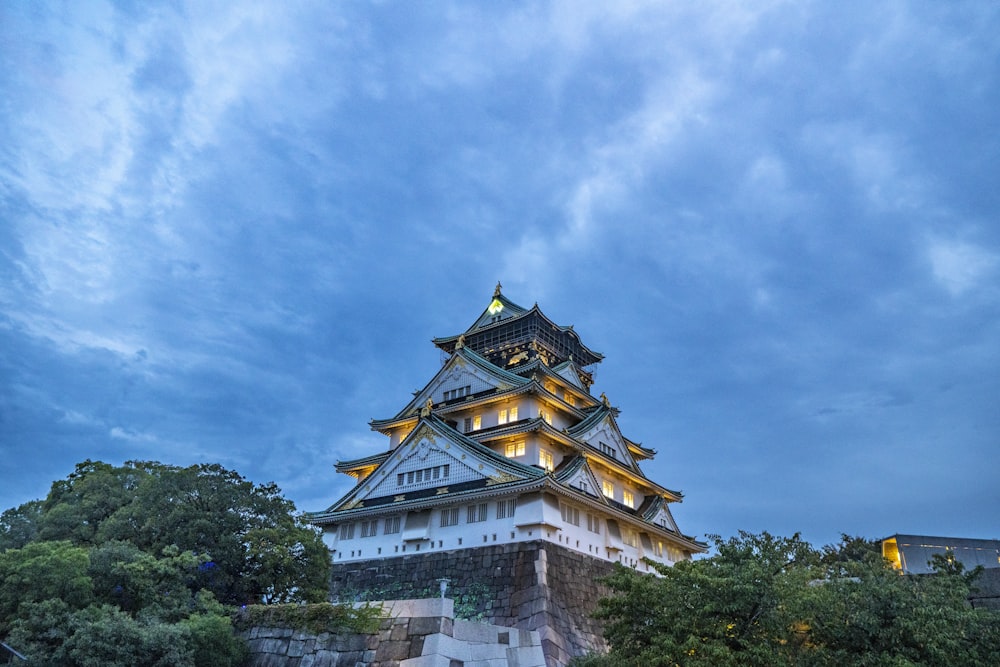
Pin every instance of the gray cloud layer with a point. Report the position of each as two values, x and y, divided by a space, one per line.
229 232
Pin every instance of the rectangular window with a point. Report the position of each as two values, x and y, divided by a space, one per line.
570 514
628 498
608 488
608 450
423 475
476 513
449 517
513 449
502 417
505 508
513 414
347 531
594 524
391 525
569 398
545 459
630 537
477 422
546 415
467 425
658 549
369 528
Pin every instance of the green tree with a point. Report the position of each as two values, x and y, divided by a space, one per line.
212 512
43 571
19 525
762 600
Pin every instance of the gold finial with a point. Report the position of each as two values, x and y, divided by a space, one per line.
496 291
426 410
604 399
460 343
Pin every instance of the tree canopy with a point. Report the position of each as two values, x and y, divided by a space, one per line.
143 557
772 601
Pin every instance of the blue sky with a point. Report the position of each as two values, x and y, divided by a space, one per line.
228 233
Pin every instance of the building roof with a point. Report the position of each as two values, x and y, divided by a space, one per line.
506 329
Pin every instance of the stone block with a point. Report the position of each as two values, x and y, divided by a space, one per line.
398 633
296 648
425 625
392 650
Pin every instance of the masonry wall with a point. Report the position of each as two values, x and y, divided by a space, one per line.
531 586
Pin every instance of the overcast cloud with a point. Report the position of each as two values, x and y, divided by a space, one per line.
228 232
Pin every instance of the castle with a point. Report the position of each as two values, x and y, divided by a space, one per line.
507 448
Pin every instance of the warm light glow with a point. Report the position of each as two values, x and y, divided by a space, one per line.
514 449
545 459
608 488
890 551
495 307
477 422
628 499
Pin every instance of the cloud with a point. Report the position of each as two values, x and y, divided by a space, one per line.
959 266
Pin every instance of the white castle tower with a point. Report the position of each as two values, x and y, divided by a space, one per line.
506 444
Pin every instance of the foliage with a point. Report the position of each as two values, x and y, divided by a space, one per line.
315 618
764 600
43 571
127 565
253 546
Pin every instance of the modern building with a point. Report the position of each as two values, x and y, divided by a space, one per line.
912 553
505 445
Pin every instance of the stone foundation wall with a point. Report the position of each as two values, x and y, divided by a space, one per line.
415 633
531 586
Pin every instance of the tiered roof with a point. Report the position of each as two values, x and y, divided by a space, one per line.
509 352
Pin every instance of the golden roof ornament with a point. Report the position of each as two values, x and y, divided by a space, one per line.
426 410
604 400
496 291
460 343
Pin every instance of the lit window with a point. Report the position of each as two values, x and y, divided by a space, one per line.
545 459
502 417
608 488
628 498
477 422
630 537
513 449
513 414
569 398
546 415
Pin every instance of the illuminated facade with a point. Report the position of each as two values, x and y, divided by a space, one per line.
912 553
506 444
